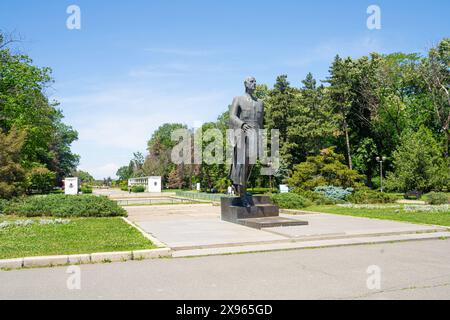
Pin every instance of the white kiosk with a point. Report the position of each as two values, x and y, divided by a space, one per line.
151 184
71 186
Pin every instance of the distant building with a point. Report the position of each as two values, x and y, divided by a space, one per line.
151 184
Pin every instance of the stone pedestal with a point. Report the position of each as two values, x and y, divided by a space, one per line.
261 214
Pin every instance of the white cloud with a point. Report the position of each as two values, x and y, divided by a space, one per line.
117 120
180 52
326 51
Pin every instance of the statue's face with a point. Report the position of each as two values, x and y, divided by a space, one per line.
250 84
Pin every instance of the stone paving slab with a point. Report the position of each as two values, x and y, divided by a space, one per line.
182 233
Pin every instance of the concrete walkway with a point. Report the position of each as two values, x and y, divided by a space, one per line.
197 230
412 270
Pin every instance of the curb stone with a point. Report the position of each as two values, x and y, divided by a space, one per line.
45 261
79 259
151 254
50 261
111 256
11 263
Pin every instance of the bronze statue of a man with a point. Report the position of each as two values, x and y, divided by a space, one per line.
246 118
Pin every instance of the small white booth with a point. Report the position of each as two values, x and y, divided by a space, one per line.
151 184
71 186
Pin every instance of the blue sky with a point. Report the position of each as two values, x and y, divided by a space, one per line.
137 64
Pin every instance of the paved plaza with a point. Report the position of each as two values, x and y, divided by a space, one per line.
196 229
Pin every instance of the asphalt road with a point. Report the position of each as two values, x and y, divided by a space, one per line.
412 270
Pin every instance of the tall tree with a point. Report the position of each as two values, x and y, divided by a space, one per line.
12 174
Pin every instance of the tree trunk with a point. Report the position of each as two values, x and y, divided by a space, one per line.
347 141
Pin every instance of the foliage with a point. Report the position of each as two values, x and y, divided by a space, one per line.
124 173
3 204
418 164
84 177
290 201
12 174
334 193
64 206
25 106
325 169
86 189
40 180
367 196
222 185
436 198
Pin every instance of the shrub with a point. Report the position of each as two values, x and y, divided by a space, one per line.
418 164
328 168
315 197
41 180
137 189
290 201
64 206
371 197
436 198
86 189
124 186
334 193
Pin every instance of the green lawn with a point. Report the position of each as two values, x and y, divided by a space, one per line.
81 235
435 218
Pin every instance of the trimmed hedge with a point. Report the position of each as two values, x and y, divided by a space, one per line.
137 189
64 206
371 197
290 201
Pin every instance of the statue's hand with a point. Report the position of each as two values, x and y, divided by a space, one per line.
246 127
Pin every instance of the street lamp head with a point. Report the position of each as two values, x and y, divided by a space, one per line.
378 159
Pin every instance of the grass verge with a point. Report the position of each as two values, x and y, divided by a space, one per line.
81 235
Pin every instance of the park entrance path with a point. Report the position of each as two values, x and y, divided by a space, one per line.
196 229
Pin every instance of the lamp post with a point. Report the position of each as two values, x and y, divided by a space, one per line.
381 160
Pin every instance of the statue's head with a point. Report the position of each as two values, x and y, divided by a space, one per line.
250 84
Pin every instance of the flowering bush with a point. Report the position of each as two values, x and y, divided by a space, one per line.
25 223
369 206
430 209
334 193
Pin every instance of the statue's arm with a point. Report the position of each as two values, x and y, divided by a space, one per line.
234 115
261 121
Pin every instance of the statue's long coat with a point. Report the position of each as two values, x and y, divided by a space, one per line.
245 110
